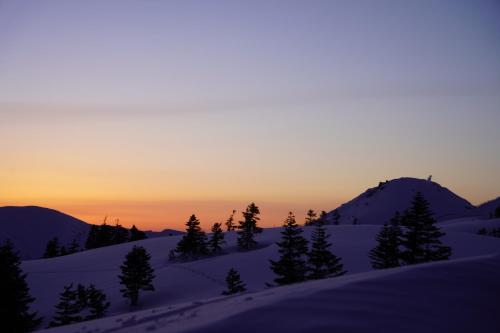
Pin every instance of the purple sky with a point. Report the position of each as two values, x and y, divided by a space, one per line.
297 102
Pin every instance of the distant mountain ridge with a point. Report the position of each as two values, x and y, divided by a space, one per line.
31 227
378 204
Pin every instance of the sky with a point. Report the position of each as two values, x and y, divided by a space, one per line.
149 111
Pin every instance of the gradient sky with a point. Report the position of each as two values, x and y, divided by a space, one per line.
152 110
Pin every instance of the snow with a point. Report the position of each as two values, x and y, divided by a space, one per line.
378 205
450 296
188 297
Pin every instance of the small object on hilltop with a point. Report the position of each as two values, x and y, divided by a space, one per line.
429 179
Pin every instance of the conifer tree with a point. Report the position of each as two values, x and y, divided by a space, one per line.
230 222
310 217
137 274
421 238
234 283
248 228
217 238
74 247
96 301
336 217
497 212
120 234
52 249
63 251
136 234
291 266
321 262
387 253
68 308
194 241
92 241
82 296
15 299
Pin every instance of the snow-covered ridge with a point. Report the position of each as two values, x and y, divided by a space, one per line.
195 282
378 204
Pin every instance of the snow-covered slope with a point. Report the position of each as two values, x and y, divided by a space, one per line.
453 296
31 227
488 208
378 204
185 283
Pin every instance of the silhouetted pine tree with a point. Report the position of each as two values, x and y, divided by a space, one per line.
497 212
81 294
52 249
63 251
248 228
217 238
421 237
96 302
234 283
230 222
194 241
68 308
136 234
310 217
14 294
73 247
120 234
387 253
137 274
92 241
291 266
321 262
336 217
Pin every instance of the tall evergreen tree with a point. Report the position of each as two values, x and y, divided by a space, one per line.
234 283
497 212
310 217
96 301
15 299
136 234
92 241
248 228
421 237
52 249
336 217
120 234
68 308
137 274
387 252
74 246
230 226
291 266
217 238
321 262
194 241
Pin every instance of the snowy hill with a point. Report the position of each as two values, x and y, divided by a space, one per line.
31 227
451 296
188 286
378 204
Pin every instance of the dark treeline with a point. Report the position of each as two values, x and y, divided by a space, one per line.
106 235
